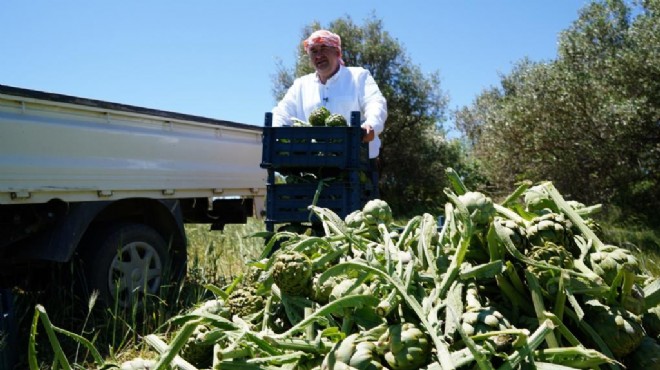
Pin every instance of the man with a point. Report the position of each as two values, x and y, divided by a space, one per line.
339 88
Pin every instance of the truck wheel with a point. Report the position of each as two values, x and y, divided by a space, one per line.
125 263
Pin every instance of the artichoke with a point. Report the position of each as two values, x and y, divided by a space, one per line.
483 320
552 254
555 228
318 116
646 356
321 292
537 201
608 260
405 347
354 220
516 232
352 353
138 364
213 306
254 274
196 350
377 211
292 273
244 301
479 206
620 330
336 120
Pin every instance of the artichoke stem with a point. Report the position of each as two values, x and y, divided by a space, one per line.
347 323
233 353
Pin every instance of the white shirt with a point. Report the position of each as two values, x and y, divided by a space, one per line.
350 89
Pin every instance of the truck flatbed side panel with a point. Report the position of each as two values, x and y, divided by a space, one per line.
118 107
50 148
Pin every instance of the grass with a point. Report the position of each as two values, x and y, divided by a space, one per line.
215 258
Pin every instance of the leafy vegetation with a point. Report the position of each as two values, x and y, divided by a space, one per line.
589 120
498 286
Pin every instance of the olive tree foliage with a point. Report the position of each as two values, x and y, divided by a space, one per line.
414 153
589 121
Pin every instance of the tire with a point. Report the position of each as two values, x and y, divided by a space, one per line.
125 263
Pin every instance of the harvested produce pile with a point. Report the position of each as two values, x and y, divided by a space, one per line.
519 285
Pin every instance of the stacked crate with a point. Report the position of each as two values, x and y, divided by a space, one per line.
335 156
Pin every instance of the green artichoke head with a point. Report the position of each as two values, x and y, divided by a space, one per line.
488 319
352 353
244 301
354 219
537 200
138 364
554 228
621 331
377 211
318 116
336 120
516 232
479 206
405 347
197 350
212 306
321 292
483 320
552 254
608 260
292 273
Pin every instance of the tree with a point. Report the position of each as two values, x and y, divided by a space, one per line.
589 120
416 108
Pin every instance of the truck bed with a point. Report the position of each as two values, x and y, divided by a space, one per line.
55 146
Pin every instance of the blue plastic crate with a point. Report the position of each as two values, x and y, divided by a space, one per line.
314 147
289 202
340 147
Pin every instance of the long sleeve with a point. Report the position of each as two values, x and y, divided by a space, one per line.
374 106
288 107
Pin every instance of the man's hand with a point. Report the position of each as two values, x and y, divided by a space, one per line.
369 134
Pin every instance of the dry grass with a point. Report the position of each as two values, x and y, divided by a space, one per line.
214 257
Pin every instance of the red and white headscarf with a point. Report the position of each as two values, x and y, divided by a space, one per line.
324 37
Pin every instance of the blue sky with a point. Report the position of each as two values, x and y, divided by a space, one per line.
217 58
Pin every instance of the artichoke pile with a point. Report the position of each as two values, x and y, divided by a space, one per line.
519 285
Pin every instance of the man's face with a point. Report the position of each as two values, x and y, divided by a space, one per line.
325 59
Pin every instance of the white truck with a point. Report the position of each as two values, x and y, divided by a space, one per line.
113 185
